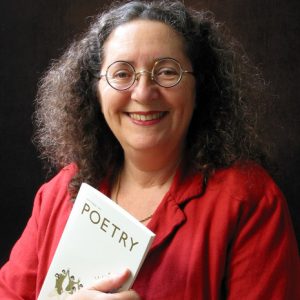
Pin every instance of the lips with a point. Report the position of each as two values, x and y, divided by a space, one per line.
146 116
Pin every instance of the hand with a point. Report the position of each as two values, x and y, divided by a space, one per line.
103 288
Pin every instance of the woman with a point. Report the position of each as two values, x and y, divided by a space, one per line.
154 107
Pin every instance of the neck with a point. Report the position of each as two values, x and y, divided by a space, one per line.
143 181
147 172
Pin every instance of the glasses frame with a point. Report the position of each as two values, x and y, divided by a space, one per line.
151 73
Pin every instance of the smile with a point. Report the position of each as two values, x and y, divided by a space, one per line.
146 117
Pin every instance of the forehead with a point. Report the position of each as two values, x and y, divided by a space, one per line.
143 41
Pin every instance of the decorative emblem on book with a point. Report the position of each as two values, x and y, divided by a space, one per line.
66 284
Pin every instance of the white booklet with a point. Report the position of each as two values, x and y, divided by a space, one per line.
100 238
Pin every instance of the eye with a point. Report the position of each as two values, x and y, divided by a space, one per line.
166 72
121 74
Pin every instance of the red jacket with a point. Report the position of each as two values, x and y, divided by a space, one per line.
233 242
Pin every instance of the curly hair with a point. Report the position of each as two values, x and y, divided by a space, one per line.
71 128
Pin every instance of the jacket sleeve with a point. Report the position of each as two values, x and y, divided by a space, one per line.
18 275
263 261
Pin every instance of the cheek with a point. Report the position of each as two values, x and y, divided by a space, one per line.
187 98
104 94
112 103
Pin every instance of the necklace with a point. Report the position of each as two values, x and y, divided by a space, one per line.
116 200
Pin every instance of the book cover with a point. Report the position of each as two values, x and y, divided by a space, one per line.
100 238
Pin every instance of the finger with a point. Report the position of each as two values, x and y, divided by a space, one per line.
96 295
112 282
130 295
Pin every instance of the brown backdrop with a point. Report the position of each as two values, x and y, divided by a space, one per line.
34 32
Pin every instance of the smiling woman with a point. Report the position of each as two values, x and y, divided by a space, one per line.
155 105
146 116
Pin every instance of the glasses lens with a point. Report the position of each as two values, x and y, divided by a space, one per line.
120 75
167 72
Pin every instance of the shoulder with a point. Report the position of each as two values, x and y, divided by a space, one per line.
243 182
55 192
247 182
60 181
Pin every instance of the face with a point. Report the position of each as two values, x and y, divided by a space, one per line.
147 116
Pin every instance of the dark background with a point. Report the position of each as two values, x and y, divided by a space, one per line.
34 32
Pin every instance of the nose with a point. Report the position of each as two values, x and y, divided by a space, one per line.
144 89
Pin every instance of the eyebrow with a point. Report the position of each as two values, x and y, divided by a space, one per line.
153 61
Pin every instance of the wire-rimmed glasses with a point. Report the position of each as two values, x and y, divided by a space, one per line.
166 72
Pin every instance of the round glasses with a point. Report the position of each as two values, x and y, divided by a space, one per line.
166 72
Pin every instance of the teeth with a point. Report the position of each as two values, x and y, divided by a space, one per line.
149 117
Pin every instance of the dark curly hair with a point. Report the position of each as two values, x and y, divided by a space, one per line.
71 128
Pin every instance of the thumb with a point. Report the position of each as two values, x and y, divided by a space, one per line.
112 282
